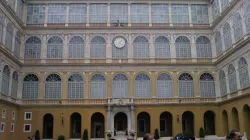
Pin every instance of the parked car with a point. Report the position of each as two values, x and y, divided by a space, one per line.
183 137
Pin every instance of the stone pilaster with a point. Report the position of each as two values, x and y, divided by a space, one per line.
20 85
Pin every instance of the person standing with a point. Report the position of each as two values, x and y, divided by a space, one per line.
234 135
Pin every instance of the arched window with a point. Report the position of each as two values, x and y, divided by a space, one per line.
183 47
30 87
9 35
75 86
120 86
207 85
17 44
237 26
218 42
141 47
33 47
98 86
232 78
14 85
55 47
164 86
76 47
223 85
203 47
227 35
119 49
142 86
5 80
215 8
224 4
162 47
97 47
243 73
1 26
53 87
247 15
186 85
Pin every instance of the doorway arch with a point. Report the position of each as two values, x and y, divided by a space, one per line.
97 125
188 123
209 122
143 124
121 121
225 123
75 125
48 122
235 117
166 121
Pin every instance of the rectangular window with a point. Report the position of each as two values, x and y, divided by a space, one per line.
13 115
2 127
119 12
36 14
4 113
199 13
77 13
180 13
139 13
98 13
141 125
159 13
27 116
27 128
57 13
12 127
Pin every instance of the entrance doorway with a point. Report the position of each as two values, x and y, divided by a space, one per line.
48 121
121 122
97 125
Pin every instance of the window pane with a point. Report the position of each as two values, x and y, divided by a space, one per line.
139 13
36 14
199 13
57 13
119 12
98 13
159 13
77 13
180 13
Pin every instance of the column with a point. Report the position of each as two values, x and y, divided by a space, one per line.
130 47
65 46
13 40
108 6
109 84
193 47
227 83
241 122
210 14
67 15
44 47
64 78
237 76
177 122
86 85
129 14
20 85
222 40
150 15
217 85
87 23
132 109
198 122
172 47
196 84
22 47
46 15
213 46
87 47
10 82
175 84
108 49
131 84
151 46
190 14
25 10
109 119
232 31
170 15
220 8
153 84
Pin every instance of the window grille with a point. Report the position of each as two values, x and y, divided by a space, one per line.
9 36
142 86
120 52
6 80
180 13
19 10
76 47
30 87
247 15
139 13
14 85
12 3
53 87
186 85
203 47
218 42
97 47
36 13
162 47
1 27
77 13
199 13
215 8
98 86
98 13
237 26
55 47
164 86
232 78
207 85
141 47
224 4
32 47
227 35
75 86
120 86
17 44
183 47
57 13
223 85
243 73
119 12
160 13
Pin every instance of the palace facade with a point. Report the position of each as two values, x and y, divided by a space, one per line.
127 66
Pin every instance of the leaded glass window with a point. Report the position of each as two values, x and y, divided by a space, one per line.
14 85
183 47
98 13
207 85
55 47
203 47
218 42
77 13
12 3
57 13
5 80
120 52
75 86
1 26
120 86
215 8
164 86
142 86
36 13
160 13
199 13
19 10
232 78
247 16
76 47
139 13
227 35
243 73
17 44
9 36
224 4
53 87
119 12
180 13
32 47
98 86
162 47
141 47
186 85
223 85
30 87
237 26
97 47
